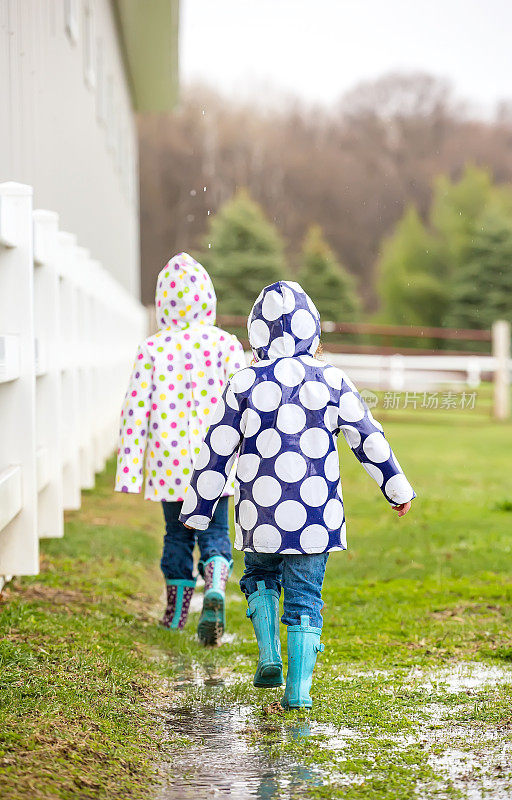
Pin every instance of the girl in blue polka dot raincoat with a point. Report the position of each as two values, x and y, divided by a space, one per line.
281 416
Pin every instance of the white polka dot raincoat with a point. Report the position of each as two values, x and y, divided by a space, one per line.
282 416
177 381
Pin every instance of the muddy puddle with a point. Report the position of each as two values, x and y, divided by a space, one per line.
215 755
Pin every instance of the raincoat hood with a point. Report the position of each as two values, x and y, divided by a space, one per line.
184 294
283 322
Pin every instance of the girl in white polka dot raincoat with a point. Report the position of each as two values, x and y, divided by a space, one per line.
282 416
179 375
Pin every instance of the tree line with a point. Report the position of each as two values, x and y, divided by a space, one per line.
394 204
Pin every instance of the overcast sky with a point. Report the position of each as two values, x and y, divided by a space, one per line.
317 49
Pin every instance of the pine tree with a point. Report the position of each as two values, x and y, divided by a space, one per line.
243 252
411 272
330 286
482 286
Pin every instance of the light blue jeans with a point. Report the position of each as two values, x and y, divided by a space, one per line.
300 576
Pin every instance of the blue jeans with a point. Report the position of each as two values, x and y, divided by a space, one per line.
179 542
301 577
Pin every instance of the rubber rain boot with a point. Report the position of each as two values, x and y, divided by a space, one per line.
263 612
179 595
303 646
212 621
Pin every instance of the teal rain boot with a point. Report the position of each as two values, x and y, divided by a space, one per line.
212 621
179 595
303 646
263 612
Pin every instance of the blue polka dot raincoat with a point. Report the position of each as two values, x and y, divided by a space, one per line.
282 416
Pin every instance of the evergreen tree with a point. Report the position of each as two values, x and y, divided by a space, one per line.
482 286
243 252
330 286
412 283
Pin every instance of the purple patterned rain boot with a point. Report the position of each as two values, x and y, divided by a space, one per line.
212 621
179 595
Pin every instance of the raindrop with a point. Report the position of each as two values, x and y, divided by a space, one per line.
204 188
209 245
193 192
208 212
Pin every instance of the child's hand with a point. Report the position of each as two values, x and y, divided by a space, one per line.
403 508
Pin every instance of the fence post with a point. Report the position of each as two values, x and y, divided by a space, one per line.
501 353
19 553
48 381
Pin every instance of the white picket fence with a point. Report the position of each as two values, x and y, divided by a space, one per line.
68 334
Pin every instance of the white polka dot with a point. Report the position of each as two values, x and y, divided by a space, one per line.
290 515
282 346
351 407
291 418
315 442
239 539
266 491
268 443
352 436
190 501
243 380
290 466
224 440
314 539
237 492
340 491
247 515
291 551
312 306
311 362
259 334
272 307
374 472
289 371
376 447
266 395
333 514
250 422
314 395
349 383
331 417
288 299
303 324
374 421
266 539
333 377
314 345
398 489
294 285
314 490
203 457
332 466
247 467
343 535
210 484
198 521
231 399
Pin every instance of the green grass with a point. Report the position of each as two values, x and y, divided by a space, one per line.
84 666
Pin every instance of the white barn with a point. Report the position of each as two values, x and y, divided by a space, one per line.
73 76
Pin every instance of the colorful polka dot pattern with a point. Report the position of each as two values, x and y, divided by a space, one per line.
177 381
282 416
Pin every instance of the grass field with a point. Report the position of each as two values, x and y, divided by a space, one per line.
413 695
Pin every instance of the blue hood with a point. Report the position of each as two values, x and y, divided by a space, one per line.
283 322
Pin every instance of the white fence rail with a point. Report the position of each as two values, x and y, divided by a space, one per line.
68 333
398 372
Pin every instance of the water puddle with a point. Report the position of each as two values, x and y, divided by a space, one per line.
215 758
